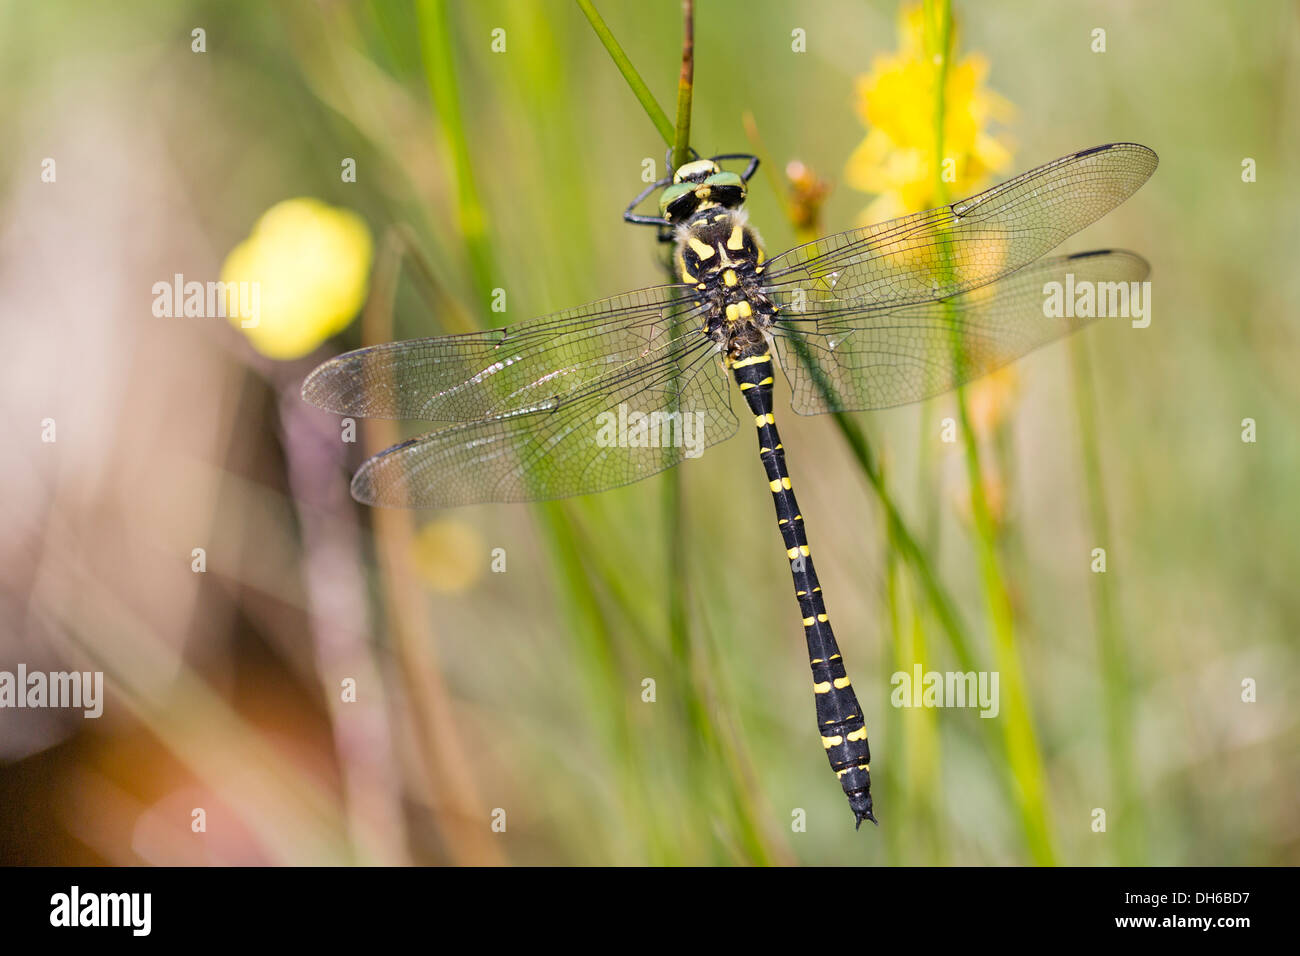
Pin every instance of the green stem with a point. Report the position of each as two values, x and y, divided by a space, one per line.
706 747
439 52
597 657
1110 647
938 14
588 627
1019 738
685 86
914 781
1028 783
679 629
642 92
895 737
705 741
944 607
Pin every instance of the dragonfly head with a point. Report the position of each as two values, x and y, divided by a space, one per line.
700 185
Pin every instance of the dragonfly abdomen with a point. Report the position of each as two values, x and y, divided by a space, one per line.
839 716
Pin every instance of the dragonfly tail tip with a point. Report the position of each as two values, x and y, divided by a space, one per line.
865 815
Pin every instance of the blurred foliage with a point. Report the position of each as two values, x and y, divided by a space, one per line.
523 691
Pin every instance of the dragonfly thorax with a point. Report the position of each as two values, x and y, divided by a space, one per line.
719 254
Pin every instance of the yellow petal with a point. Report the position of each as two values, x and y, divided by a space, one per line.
309 264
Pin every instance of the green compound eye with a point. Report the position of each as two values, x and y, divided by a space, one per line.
726 179
681 199
725 189
678 202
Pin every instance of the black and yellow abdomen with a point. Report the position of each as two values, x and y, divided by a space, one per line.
840 721
720 257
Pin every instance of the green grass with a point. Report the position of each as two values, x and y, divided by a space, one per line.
509 170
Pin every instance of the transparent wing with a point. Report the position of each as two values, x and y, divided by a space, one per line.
846 357
619 429
524 367
946 251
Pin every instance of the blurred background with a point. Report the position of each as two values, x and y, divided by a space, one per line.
334 685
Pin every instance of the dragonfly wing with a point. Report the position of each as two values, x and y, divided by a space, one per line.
844 357
616 431
531 366
946 251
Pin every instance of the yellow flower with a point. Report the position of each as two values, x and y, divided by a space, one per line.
897 100
308 264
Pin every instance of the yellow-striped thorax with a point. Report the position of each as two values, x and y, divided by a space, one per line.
719 253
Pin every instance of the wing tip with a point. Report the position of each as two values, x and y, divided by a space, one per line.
313 389
1096 253
1122 144
1109 251
362 487
1126 146
368 491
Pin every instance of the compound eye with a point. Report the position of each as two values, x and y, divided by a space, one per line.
726 189
678 202
726 179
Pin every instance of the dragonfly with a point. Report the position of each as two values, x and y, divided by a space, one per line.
608 393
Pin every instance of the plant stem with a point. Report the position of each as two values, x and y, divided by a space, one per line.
1117 685
438 51
589 629
907 544
914 780
1024 760
705 746
685 86
642 92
